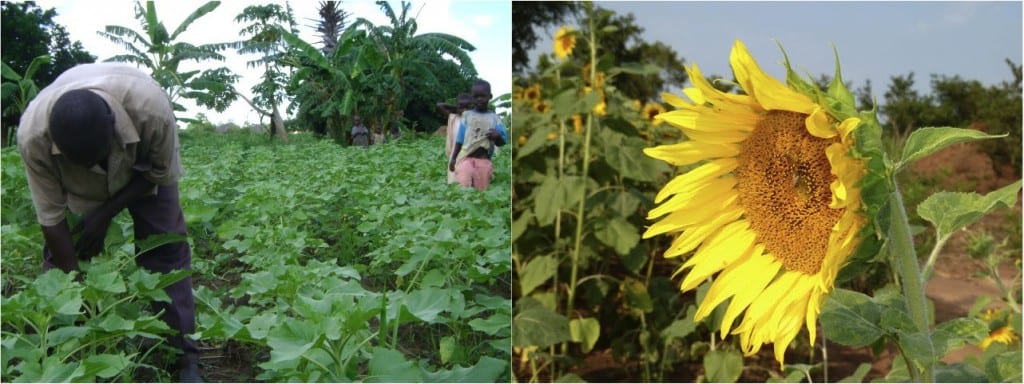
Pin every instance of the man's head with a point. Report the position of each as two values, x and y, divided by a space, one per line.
82 127
357 120
481 92
464 102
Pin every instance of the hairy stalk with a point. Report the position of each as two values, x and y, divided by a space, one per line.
905 262
558 217
583 191
930 264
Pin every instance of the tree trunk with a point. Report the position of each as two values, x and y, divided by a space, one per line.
277 125
276 122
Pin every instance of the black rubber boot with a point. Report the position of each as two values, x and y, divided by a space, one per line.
188 368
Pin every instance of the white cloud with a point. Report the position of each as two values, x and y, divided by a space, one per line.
483 20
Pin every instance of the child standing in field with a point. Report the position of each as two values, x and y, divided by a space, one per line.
463 102
479 132
360 136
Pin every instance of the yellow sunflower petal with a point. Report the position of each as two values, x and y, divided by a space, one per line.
730 243
770 93
710 169
818 124
689 152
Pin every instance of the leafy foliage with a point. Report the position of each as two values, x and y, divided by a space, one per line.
154 48
356 272
29 32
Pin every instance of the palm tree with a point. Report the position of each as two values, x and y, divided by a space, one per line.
331 24
157 50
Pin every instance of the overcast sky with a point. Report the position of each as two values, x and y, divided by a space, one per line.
486 25
875 40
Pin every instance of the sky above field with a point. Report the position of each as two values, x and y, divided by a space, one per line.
875 40
486 25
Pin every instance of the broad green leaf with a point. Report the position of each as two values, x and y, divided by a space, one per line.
68 302
721 366
625 155
104 365
678 329
951 211
113 322
496 324
959 373
536 272
554 195
486 370
446 348
290 339
858 375
1004 368
107 280
535 325
919 346
850 318
537 140
925 141
618 234
570 102
585 331
637 297
390 366
64 334
426 304
7 90
520 224
956 333
9 73
53 370
548 200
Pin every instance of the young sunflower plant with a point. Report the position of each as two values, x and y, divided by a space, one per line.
786 186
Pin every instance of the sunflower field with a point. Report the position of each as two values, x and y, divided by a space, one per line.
752 230
311 262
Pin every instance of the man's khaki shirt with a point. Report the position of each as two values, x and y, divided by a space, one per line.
146 141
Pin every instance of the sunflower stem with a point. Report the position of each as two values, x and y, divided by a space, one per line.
558 214
580 218
930 264
905 262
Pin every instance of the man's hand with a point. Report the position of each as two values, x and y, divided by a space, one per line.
493 135
93 233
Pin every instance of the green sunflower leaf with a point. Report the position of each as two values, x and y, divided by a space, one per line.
722 366
850 318
951 211
958 373
536 273
858 375
618 233
926 141
536 325
1004 368
585 331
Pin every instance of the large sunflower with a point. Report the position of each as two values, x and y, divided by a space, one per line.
775 209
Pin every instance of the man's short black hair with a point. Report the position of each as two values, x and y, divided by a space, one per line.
81 125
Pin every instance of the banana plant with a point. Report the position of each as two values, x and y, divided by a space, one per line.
18 90
161 52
